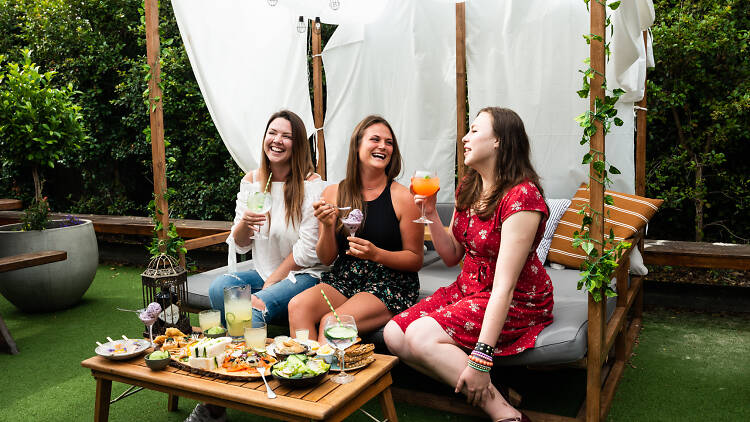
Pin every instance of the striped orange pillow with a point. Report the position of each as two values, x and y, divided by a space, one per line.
626 216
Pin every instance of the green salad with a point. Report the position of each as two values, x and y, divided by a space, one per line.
300 366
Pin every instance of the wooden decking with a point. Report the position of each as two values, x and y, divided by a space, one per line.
143 226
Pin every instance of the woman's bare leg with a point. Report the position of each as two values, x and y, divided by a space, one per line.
433 352
306 309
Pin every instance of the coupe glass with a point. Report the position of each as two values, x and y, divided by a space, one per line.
424 183
340 333
260 203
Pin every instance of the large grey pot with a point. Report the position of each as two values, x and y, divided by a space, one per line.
53 286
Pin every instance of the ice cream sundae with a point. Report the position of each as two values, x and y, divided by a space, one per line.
353 221
148 316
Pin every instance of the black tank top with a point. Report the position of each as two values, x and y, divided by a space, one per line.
381 225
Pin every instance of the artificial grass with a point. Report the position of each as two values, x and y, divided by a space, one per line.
687 367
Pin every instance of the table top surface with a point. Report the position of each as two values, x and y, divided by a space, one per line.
316 402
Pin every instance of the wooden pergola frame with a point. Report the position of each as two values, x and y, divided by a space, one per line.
610 342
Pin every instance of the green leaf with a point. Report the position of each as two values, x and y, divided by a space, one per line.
614 5
613 170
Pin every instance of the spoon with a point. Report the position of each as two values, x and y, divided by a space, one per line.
104 349
269 393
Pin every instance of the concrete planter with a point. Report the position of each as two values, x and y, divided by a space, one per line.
53 286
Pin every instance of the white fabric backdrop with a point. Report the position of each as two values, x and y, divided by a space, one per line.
525 55
249 61
401 66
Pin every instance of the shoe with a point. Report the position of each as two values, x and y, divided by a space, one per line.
202 414
523 418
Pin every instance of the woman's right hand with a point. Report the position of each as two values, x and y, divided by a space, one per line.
325 213
253 220
429 201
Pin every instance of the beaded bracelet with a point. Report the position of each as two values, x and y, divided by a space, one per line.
478 367
481 355
484 348
481 361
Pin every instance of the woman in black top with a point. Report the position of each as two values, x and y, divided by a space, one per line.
374 275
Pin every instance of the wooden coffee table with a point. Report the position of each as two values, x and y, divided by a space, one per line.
326 401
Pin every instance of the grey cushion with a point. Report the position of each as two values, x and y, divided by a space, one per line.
198 284
565 340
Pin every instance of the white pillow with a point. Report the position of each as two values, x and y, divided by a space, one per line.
636 262
557 208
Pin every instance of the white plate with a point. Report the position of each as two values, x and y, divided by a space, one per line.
134 347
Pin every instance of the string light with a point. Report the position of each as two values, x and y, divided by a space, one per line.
273 2
301 27
316 28
335 4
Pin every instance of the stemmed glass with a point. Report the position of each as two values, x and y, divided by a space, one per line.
424 183
260 203
341 333
148 316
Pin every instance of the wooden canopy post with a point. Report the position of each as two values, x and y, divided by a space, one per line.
156 115
460 86
596 310
317 61
640 142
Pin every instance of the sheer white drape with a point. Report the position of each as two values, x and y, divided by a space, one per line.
249 61
401 66
525 55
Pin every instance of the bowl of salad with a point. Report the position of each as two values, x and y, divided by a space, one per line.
299 371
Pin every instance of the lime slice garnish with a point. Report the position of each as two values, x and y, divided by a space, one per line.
339 332
259 349
427 177
229 317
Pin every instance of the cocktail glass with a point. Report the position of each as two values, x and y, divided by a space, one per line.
260 203
340 333
424 183
149 320
238 310
209 319
255 337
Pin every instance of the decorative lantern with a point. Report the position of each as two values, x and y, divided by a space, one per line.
165 282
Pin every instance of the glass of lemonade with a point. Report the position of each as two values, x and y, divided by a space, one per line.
340 333
238 310
209 319
260 203
255 337
424 183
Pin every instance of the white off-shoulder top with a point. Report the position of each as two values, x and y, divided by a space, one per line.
298 239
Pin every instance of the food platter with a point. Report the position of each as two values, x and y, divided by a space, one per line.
122 349
358 365
222 359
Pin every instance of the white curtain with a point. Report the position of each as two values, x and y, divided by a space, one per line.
525 55
401 65
249 61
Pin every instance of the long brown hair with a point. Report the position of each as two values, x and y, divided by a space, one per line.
301 163
350 189
513 164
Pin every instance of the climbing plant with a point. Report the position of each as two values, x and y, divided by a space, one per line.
598 268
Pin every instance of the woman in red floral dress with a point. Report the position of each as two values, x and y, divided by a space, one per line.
502 298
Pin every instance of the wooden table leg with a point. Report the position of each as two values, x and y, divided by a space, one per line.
103 395
173 402
386 403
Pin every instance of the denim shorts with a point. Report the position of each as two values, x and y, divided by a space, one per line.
276 297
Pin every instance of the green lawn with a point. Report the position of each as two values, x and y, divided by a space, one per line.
687 367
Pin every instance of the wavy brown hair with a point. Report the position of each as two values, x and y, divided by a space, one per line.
350 189
301 163
513 164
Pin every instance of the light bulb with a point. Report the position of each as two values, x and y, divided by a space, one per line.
335 4
316 28
273 2
301 27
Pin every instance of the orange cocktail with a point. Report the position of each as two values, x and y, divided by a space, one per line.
425 185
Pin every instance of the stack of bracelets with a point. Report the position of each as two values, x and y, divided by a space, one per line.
481 357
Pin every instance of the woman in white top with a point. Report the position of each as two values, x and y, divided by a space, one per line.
286 262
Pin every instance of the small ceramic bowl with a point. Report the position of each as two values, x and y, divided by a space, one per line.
221 334
328 357
157 364
282 356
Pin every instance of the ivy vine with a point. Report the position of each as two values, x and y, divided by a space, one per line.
597 269
173 244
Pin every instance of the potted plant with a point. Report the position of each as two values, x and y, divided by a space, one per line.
39 124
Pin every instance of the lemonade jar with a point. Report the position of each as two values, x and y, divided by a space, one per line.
238 310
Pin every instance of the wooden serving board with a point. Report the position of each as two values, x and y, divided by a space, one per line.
222 373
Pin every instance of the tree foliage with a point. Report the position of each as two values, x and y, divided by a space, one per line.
699 120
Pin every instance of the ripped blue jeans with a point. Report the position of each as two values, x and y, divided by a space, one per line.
276 297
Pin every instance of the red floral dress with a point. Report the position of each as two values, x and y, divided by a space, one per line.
460 307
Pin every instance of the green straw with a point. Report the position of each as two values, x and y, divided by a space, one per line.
331 306
268 182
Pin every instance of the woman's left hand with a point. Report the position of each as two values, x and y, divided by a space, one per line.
361 248
476 384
